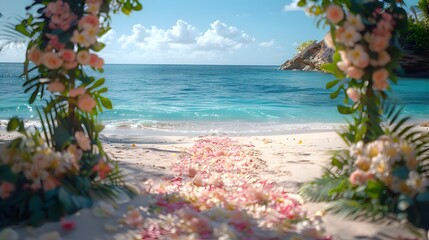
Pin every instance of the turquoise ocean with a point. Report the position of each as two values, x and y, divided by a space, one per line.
201 99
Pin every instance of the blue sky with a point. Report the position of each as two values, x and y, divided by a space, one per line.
199 32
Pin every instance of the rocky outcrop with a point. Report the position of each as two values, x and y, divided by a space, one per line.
310 59
413 65
317 54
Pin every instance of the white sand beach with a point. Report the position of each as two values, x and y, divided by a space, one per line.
288 159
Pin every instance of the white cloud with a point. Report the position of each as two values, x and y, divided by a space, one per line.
182 32
293 6
185 37
267 44
109 37
220 36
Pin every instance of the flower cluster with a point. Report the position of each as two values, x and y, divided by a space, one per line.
41 167
217 195
63 55
391 161
363 45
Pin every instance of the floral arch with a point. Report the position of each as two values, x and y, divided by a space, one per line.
53 172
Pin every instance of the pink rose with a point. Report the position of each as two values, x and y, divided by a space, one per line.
67 55
355 72
334 13
359 177
93 58
6 188
56 86
353 94
379 79
52 60
35 55
86 103
82 141
70 65
378 43
83 57
88 20
99 64
77 92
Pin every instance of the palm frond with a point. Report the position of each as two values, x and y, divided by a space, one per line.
320 189
357 210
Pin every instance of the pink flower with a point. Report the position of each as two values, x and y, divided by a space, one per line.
102 168
35 55
70 65
54 42
359 177
93 8
99 64
358 56
379 79
52 60
93 58
6 188
329 42
83 57
353 94
334 13
67 55
56 86
50 183
82 141
378 43
88 21
382 60
77 155
133 218
192 172
86 103
80 39
355 72
77 92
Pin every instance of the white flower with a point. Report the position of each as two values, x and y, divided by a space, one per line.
358 56
350 36
354 21
103 209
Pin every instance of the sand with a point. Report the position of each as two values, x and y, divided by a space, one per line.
288 159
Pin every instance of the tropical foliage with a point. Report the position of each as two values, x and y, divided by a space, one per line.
304 45
385 172
48 173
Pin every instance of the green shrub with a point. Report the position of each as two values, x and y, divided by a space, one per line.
417 36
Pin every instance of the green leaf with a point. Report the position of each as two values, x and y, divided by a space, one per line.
64 197
35 204
98 83
138 7
331 84
374 189
329 67
302 3
98 46
21 28
344 109
37 219
335 94
106 102
13 124
61 137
